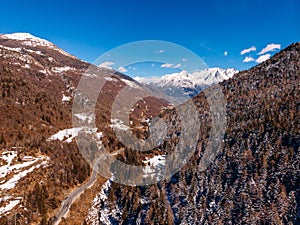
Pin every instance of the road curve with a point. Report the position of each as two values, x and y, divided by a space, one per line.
69 200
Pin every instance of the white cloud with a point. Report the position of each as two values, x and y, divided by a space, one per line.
107 65
247 50
225 53
160 51
270 47
248 59
132 68
263 58
184 60
169 65
122 69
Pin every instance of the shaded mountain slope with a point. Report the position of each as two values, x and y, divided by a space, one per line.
254 179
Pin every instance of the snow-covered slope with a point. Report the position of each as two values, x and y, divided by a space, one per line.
26 37
15 166
213 75
32 41
185 84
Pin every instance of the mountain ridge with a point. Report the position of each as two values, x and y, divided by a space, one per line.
37 83
255 175
30 40
185 84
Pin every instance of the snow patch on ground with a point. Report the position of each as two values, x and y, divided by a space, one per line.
99 203
9 206
154 166
19 170
62 69
11 183
26 66
84 117
4 170
99 135
36 52
66 98
67 135
118 124
11 49
43 71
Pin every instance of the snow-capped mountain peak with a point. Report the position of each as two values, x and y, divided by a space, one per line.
184 84
182 78
212 76
21 36
28 39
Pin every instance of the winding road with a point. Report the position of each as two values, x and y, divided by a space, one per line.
69 199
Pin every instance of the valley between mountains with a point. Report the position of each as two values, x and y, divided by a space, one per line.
44 178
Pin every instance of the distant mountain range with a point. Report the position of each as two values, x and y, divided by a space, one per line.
184 85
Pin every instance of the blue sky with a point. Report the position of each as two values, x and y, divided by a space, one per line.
209 28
